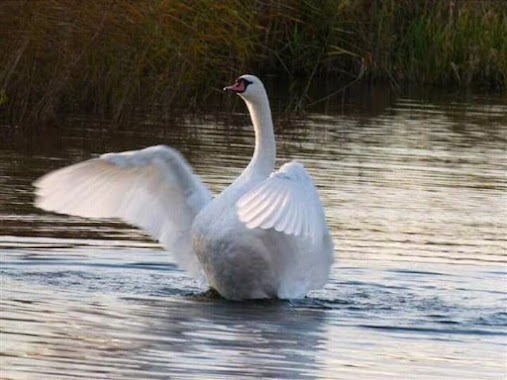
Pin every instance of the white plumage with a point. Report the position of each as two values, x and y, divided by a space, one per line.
264 236
287 201
153 189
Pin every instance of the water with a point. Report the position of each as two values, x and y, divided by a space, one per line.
414 189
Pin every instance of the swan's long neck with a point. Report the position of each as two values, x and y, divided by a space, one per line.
263 160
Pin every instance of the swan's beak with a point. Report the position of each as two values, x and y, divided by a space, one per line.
237 87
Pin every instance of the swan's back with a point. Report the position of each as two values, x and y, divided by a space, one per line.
244 262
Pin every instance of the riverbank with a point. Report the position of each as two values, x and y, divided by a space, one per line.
112 57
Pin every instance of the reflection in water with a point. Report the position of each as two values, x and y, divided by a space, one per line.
152 336
264 340
414 191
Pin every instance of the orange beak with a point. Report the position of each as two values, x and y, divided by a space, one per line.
237 87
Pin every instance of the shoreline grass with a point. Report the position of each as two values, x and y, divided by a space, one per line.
110 57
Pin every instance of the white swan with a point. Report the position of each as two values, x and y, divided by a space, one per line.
264 236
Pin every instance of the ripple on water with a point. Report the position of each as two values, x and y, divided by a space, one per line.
414 193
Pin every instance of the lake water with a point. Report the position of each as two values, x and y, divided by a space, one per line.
414 189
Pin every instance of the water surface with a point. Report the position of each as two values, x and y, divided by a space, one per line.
414 189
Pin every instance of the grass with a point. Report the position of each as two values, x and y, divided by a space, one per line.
112 57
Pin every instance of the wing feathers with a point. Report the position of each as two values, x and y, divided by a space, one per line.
268 217
153 188
287 201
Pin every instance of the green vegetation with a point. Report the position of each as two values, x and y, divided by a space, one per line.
113 56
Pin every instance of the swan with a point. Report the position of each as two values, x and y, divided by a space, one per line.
264 236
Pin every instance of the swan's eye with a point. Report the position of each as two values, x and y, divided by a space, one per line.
243 82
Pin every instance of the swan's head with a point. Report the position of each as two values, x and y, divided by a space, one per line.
249 87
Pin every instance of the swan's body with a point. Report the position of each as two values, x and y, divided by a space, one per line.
265 236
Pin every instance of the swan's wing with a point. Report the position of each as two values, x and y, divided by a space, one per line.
153 188
287 201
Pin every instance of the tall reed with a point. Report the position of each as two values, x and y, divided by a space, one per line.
113 56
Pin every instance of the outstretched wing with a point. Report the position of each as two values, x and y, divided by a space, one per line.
153 188
287 201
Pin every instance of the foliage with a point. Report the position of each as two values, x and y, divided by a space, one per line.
111 57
